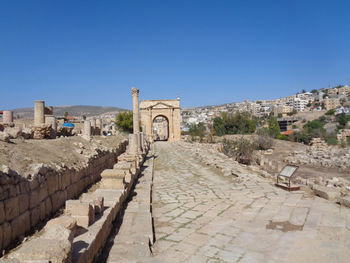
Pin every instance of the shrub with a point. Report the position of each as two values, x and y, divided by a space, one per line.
241 150
274 128
263 140
330 112
332 141
282 137
197 130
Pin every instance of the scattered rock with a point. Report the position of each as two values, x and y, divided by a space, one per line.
4 136
326 192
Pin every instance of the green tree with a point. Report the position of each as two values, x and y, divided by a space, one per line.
274 128
342 120
219 126
124 121
197 130
84 117
314 91
66 114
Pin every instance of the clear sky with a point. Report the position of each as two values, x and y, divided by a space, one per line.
205 52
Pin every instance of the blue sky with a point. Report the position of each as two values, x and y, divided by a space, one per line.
205 52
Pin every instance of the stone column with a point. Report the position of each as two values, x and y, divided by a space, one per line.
135 114
39 109
87 130
7 116
93 126
132 148
99 126
50 119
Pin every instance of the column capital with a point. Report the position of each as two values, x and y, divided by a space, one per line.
134 91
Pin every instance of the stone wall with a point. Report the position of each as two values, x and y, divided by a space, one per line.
27 200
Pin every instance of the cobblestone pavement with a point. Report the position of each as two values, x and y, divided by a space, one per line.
202 216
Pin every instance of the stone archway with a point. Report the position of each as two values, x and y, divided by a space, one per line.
160 128
169 109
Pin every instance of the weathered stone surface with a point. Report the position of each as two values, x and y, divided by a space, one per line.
84 213
59 231
35 216
14 132
54 246
67 222
7 234
11 208
96 201
23 203
326 192
113 173
20 225
112 183
345 200
4 136
2 212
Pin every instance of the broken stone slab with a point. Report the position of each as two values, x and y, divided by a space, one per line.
345 201
4 136
14 132
84 213
54 246
67 222
96 201
326 192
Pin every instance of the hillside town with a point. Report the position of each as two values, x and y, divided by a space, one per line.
333 98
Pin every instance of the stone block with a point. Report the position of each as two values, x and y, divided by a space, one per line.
48 206
23 203
43 193
112 173
7 234
112 183
11 208
345 200
96 201
20 225
53 247
52 183
66 180
34 198
59 232
42 210
1 237
83 212
35 216
58 200
67 222
326 192
2 212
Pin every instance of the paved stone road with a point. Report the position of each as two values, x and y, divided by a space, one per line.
202 216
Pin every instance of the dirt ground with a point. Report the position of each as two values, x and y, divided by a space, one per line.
69 151
281 149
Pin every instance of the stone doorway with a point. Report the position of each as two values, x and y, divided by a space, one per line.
160 127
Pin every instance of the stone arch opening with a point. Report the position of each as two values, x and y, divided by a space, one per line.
160 128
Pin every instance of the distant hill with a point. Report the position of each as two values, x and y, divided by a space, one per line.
76 110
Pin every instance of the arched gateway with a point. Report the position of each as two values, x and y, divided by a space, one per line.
151 110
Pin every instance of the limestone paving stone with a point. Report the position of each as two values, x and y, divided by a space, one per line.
234 215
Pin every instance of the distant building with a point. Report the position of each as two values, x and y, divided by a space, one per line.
299 104
330 104
282 109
